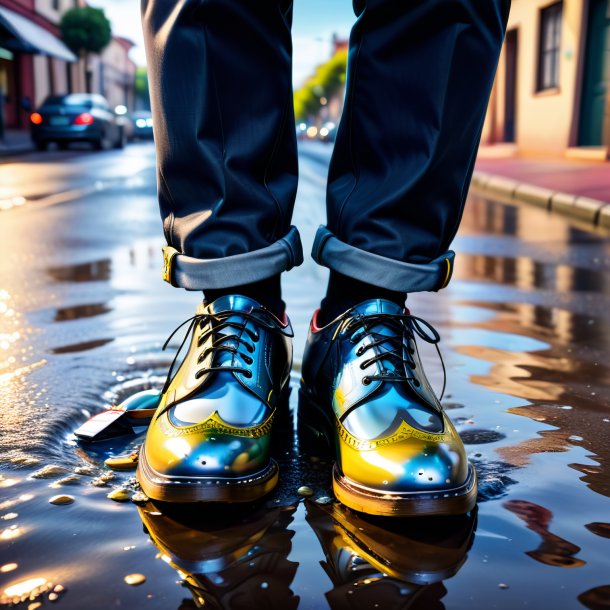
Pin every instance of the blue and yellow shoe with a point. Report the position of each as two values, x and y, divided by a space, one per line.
209 440
364 392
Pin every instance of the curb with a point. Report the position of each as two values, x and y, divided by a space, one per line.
592 211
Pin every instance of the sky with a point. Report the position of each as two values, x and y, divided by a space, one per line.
314 23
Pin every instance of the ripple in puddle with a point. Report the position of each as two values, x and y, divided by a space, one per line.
481 437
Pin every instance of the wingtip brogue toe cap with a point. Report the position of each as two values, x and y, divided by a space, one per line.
410 460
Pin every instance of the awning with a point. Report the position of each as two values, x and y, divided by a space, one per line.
18 33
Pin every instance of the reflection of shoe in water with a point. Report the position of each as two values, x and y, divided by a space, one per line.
365 391
210 437
391 563
230 557
553 550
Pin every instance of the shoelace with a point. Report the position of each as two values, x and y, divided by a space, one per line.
402 323
217 322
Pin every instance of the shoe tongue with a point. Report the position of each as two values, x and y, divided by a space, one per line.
381 306
233 302
374 306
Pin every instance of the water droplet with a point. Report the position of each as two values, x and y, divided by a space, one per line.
503 585
264 585
86 471
122 462
135 579
120 495
8 567
324 500
49 471
305 491
61 499
139 498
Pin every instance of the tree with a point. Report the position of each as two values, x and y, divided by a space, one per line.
327 81
142 88
86 30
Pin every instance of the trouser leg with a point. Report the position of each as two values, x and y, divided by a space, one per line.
221 95
419 78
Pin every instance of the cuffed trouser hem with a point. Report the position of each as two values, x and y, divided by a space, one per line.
210 274
331 252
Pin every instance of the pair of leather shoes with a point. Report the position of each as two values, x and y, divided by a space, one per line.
363 393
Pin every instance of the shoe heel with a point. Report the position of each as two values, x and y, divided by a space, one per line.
314 429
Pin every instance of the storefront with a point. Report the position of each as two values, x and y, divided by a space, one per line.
20 40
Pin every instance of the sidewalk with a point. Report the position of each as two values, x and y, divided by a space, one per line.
575 188
16 142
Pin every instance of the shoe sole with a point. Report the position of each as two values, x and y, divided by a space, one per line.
316 436
205 489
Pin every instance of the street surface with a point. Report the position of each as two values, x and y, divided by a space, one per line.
525 325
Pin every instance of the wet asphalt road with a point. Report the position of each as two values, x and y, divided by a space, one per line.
83 314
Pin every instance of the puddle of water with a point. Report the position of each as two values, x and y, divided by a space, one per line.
97 271
78 312
526 346
80 347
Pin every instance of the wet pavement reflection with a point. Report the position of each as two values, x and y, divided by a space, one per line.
83 314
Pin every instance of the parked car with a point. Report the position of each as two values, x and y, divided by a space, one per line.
77 117
142 125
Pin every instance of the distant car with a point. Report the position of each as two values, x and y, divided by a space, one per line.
142 125
77 117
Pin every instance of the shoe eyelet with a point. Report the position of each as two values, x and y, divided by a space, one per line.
412 365
366 381
248 374
416 383
359 351
198 374
247 359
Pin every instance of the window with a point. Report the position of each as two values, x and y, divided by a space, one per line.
549 47
55 4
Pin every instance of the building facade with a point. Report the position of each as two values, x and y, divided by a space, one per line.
552 90
33 60
114 73
34 63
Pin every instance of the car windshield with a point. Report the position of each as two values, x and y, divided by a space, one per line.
69 100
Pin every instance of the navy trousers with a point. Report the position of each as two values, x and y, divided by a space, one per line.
419 78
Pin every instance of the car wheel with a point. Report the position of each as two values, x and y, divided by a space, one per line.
102 143
122 140
41 146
